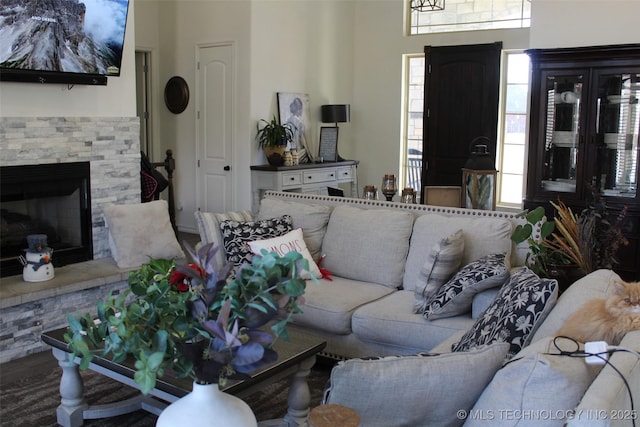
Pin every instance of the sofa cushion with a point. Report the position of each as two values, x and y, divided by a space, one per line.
520 307
209 229
237 234
312 219
593 285
538 380
367 245
292 241
419 390
329 305
456 296
443 260
482 236
140 231
391 321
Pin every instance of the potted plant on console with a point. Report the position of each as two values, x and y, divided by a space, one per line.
273 139
192 320
571 246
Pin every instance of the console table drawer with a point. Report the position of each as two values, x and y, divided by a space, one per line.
293 178
311 177
345 174
303 178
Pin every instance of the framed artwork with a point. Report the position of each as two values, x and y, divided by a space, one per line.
293 108
328 151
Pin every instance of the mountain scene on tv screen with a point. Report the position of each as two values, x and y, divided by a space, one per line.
63 35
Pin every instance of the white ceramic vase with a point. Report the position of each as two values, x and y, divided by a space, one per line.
207 406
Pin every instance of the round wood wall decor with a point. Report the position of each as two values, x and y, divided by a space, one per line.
176 94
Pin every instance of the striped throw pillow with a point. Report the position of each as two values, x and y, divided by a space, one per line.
209 228
441 263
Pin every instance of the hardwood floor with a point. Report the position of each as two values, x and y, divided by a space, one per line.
191 238
34 364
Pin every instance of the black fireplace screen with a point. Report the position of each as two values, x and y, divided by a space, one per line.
51 199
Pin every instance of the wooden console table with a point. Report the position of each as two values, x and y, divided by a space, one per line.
295 360
313 178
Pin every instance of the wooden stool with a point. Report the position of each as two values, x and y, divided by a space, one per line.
333 416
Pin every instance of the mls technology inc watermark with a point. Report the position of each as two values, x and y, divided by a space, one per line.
547 415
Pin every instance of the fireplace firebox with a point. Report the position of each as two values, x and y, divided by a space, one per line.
52 199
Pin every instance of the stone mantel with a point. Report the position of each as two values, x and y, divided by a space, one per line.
68 279
27 309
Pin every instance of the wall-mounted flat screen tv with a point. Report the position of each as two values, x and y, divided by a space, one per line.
61 41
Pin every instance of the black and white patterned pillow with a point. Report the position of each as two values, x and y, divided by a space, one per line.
236 235
518 310
456 296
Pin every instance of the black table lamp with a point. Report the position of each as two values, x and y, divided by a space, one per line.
335 113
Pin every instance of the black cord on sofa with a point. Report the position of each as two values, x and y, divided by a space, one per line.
582 354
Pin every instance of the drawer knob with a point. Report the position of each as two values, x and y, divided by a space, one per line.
292 178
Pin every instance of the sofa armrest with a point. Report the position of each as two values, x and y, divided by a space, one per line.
607 401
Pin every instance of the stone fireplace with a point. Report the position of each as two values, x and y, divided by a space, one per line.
110 145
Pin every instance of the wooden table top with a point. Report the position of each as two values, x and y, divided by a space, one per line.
301 346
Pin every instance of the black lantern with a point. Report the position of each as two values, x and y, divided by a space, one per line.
479 177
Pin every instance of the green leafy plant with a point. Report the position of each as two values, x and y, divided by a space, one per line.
588 240
190 319
540 256
273 134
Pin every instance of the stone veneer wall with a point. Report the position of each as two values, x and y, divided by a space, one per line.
23 324
110 144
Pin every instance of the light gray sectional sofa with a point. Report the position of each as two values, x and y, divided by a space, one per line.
378 254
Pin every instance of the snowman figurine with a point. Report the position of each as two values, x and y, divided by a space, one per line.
37 259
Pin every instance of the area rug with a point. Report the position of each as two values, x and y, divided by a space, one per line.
32 400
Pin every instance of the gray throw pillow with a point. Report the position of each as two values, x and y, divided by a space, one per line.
441 263
537 387
519 308
456 296
369 245
140 231
418 390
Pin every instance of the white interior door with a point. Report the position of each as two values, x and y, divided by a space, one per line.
215 128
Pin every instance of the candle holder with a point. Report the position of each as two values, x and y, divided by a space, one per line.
408 195
389 187
370 192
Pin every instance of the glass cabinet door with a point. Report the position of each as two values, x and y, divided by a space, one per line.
617 134
562 128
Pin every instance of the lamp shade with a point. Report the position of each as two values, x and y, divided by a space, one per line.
335 113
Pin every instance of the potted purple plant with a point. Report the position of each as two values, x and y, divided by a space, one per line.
192 320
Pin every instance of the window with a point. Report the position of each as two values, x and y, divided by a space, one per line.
412 121
512 128
467 15
511 133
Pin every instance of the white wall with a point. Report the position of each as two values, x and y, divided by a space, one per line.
281 46
117 99
569 23
337 51
173 30
303 47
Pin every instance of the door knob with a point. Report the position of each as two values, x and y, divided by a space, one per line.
227 168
